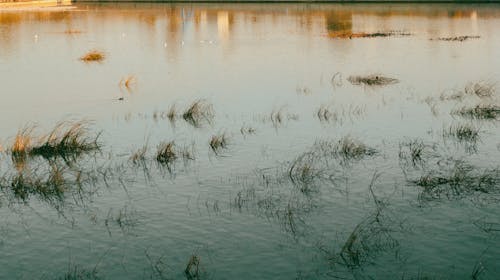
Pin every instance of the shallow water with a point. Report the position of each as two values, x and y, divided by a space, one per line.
266 69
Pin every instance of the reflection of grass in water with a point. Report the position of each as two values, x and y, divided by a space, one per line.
463 132
198 112
76 272
462 179
372 236
165 153
372 80
480 112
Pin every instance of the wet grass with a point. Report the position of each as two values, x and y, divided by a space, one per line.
139 156
480 89
67 140
219 142
199 112
462 179
415 153
350 149
93 56
279 116
479 112
166 153
372 80
463 133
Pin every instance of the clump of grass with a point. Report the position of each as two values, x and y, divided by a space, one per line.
303 174
480 89
460 180
22 144
480 112
463 133
352 149
128 83
351 35
219 142
198 112
66 140
166 153
193 270
372 80
415 152
139 155
457 38
172 113
93 56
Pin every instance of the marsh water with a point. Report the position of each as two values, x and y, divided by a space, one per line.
318 176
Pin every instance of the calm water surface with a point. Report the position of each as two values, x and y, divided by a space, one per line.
245 211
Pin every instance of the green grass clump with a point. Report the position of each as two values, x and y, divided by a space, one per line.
463 133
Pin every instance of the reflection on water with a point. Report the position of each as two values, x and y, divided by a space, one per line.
250 141
175 18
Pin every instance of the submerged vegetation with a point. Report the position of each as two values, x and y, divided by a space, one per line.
219 142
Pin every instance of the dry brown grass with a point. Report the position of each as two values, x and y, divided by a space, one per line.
93 56
128 83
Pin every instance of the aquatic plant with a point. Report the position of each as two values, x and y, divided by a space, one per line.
66 140
219 142
457 38
480 89
463 133
462 179
481 112
372 80
198 112
166 153
351 35
93 56
139 155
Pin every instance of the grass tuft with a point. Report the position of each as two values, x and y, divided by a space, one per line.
67 140
198 112
480 89
93 56
166 153
480 112
192 270
219 142
372 80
